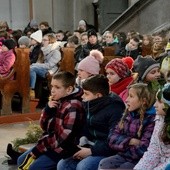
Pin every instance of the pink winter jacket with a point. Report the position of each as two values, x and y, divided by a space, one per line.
7 59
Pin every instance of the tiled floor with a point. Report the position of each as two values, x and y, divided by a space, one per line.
8 132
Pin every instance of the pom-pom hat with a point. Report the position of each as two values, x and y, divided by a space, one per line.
91 63
121 66
24 40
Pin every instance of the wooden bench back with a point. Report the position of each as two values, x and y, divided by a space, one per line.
16 82
68 61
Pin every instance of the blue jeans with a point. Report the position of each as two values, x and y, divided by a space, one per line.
89 163
115 162
34 71
41 163
167 167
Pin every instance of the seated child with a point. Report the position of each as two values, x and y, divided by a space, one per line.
131 136
24 42
119 75
89 66
157 155
7 57
103 112
61 121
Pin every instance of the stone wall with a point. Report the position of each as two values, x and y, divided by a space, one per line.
145 16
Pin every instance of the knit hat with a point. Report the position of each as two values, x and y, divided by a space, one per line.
143 65
91 32
33 24
82 22
91 63
9 43
37 36
121 66
24 40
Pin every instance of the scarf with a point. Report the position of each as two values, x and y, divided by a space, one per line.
121 85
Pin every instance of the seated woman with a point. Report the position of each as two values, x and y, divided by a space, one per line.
51 57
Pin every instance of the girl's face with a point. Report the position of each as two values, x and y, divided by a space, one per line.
45 41
92 39
109 38
83 74
33 42
4 48
153 74
159 106
145 40
112 76
133 103
58 90
88 96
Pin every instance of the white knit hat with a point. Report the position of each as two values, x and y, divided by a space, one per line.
37 36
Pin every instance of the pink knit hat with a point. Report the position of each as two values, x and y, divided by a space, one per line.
121 66
91 63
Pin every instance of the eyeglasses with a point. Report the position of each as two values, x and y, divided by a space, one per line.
45 40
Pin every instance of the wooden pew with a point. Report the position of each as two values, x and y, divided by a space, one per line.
16 82
68 61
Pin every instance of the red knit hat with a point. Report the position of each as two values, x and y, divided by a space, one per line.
120 67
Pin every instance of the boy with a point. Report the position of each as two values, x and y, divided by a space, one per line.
103 112
61 121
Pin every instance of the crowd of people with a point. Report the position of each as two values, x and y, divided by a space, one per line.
116 120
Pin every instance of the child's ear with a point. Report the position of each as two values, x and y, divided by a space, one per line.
98 95
69 90
144 101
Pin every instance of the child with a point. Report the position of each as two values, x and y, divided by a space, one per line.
132 48
103 112
119 75
7 57
157 155
148 71
24 42
61 121
35 49
89 66
131 136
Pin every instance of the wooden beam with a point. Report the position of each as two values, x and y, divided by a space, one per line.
31 9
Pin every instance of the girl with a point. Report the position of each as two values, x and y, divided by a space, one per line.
131 136
119 75
89 66
158 152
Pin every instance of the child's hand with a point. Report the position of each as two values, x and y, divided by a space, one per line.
83 153
52 103
33 155
134 142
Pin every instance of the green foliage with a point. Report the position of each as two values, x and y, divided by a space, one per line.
33 133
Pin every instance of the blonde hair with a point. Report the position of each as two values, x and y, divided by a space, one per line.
143 93
51 37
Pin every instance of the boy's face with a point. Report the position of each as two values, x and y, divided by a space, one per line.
153 74
88 96
133 45
58 90
109 38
